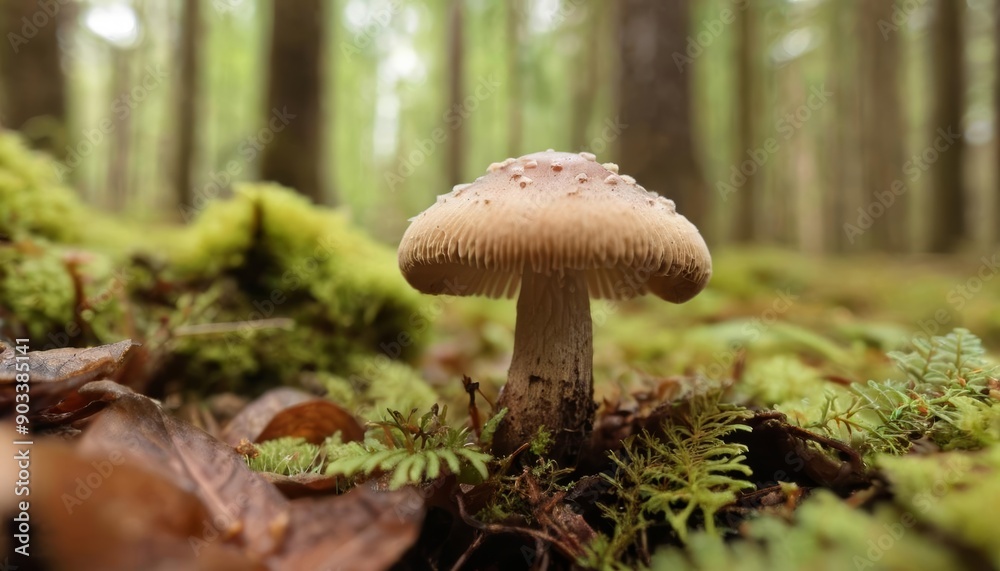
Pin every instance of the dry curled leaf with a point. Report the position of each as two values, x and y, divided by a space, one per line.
306 484
55 374
199 491
254 513
107 512
290 412
362 530
314 421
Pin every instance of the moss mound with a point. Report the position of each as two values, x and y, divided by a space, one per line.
258 290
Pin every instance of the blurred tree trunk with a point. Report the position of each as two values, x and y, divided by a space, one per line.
747 50
33 86
654 103
456 79
515 95
844 196
188 88
120 155
585 84
882 118
294 114
948 199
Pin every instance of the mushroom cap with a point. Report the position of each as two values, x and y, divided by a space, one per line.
550 213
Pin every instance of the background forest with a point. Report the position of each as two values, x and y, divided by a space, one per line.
771 121
200 206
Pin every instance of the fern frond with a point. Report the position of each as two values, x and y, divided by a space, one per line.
412 450
939 373
690 469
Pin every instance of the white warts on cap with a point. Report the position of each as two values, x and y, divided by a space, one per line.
494 167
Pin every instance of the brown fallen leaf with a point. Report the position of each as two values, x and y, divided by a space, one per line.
314 421
104 512
362 530
289 412
250 421
301 485
251 511
57 373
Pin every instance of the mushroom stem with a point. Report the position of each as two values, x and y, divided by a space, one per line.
550 381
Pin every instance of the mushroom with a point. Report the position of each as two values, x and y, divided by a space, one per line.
575 229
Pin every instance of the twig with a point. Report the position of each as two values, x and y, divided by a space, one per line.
471 388
231 326
468 552
497 527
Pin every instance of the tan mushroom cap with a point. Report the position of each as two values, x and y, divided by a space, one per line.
551 212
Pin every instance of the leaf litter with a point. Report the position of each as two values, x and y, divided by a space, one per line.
140 488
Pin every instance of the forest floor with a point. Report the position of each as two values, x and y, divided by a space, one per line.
262 390
773 334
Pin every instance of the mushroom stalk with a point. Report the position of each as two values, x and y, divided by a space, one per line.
550 381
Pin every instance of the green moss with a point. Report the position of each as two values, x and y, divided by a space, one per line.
826 535
256 291
37 289
273 255
287 456
951 492
373 384
779 379
33 201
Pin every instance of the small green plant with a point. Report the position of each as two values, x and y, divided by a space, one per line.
287 456
415 449
690 468
945 396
